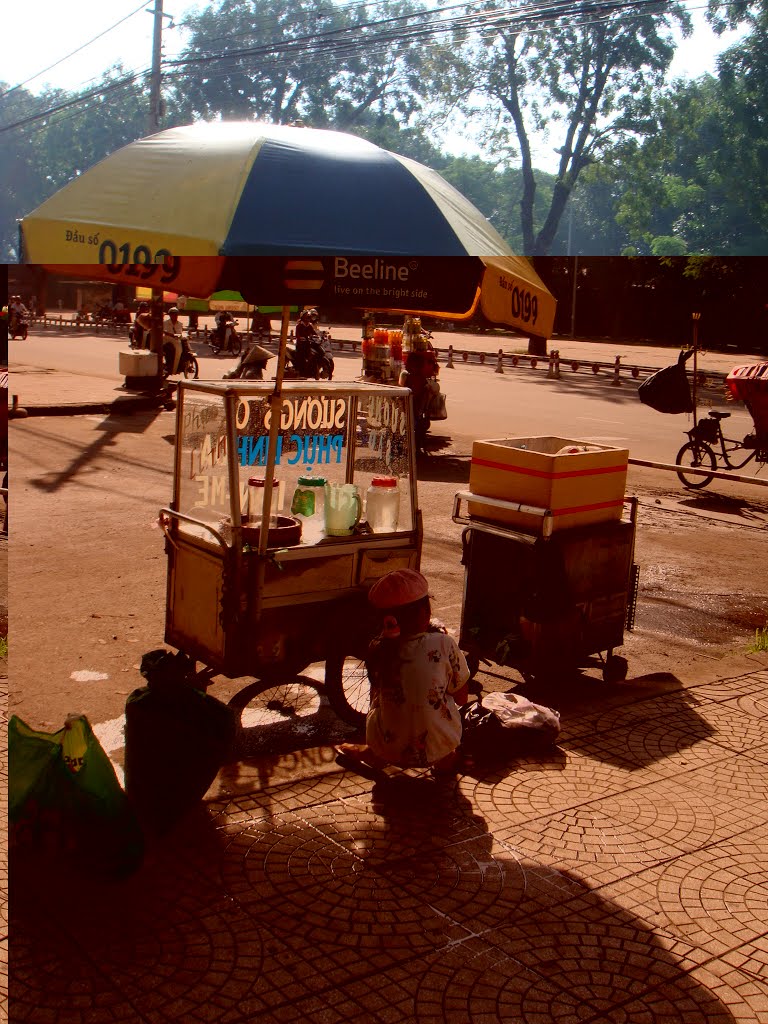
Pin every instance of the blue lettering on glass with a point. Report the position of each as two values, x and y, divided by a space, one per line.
309 450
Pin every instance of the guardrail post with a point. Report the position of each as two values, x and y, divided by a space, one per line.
616 371
449 364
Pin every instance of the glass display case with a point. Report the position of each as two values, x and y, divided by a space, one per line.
337 480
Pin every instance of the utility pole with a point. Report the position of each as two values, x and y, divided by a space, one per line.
696 317
573 295
155 97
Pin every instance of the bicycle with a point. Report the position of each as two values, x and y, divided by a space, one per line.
708 448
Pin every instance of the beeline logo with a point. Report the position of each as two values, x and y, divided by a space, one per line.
372 270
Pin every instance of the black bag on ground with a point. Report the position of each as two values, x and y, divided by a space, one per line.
500 726
668 390
177 738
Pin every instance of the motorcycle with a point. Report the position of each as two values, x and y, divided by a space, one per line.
178 357
319 363
226 339
19 325
251 365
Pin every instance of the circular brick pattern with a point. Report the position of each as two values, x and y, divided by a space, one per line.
172 963
717 893
491 988
555 969
353 880
701 997
632 830
528 792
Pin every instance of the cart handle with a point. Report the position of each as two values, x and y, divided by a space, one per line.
544 514
169 513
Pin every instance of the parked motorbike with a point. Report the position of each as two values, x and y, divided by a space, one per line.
178 357
19 326
319 363
225 338
251 365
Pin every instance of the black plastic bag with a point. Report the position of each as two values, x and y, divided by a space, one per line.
668 390
500 726
177 737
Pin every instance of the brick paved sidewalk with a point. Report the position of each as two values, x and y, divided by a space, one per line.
621 877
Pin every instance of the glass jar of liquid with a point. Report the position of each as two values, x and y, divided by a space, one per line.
382 504
256 486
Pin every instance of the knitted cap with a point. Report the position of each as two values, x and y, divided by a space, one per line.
399 587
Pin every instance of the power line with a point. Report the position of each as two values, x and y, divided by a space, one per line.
72 54
346 41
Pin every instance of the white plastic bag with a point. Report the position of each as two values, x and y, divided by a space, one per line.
515 712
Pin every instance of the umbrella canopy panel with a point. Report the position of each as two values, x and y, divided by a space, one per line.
250 189
286 216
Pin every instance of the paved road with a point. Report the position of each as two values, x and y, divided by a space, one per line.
481 402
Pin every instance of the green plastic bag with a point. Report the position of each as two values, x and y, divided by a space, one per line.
64 799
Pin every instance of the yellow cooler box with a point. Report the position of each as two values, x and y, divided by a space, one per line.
577 481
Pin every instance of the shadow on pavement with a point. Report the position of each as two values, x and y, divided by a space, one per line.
348 902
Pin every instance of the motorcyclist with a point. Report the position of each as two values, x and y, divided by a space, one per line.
306 333
415 375
176 342
142 326
225 324
16 310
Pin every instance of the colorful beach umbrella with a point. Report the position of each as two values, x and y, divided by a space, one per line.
286 216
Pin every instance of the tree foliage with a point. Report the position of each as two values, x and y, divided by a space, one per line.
582 83
307 62
47 150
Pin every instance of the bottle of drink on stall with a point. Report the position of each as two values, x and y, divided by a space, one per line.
382 505
308 506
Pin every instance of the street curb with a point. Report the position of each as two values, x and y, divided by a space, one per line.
117 407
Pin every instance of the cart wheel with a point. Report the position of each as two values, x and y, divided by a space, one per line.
348 688
615 669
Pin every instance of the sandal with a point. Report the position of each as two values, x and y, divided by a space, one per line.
357 756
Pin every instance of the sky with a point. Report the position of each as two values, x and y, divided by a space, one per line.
61 29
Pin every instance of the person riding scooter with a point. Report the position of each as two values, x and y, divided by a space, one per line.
174 341
309 356
225 338
18 317
140 330
306 334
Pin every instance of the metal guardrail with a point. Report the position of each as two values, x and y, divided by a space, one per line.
451 357
718 474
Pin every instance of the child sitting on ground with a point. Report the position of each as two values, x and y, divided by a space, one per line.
418 678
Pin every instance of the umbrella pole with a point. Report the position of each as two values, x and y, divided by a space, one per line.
275 402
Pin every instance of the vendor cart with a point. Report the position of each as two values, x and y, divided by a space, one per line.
266 600
544 602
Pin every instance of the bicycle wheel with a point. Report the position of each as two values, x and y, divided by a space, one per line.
191 368
348 688
695 455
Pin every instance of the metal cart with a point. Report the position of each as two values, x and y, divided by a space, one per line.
545 602
241 599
